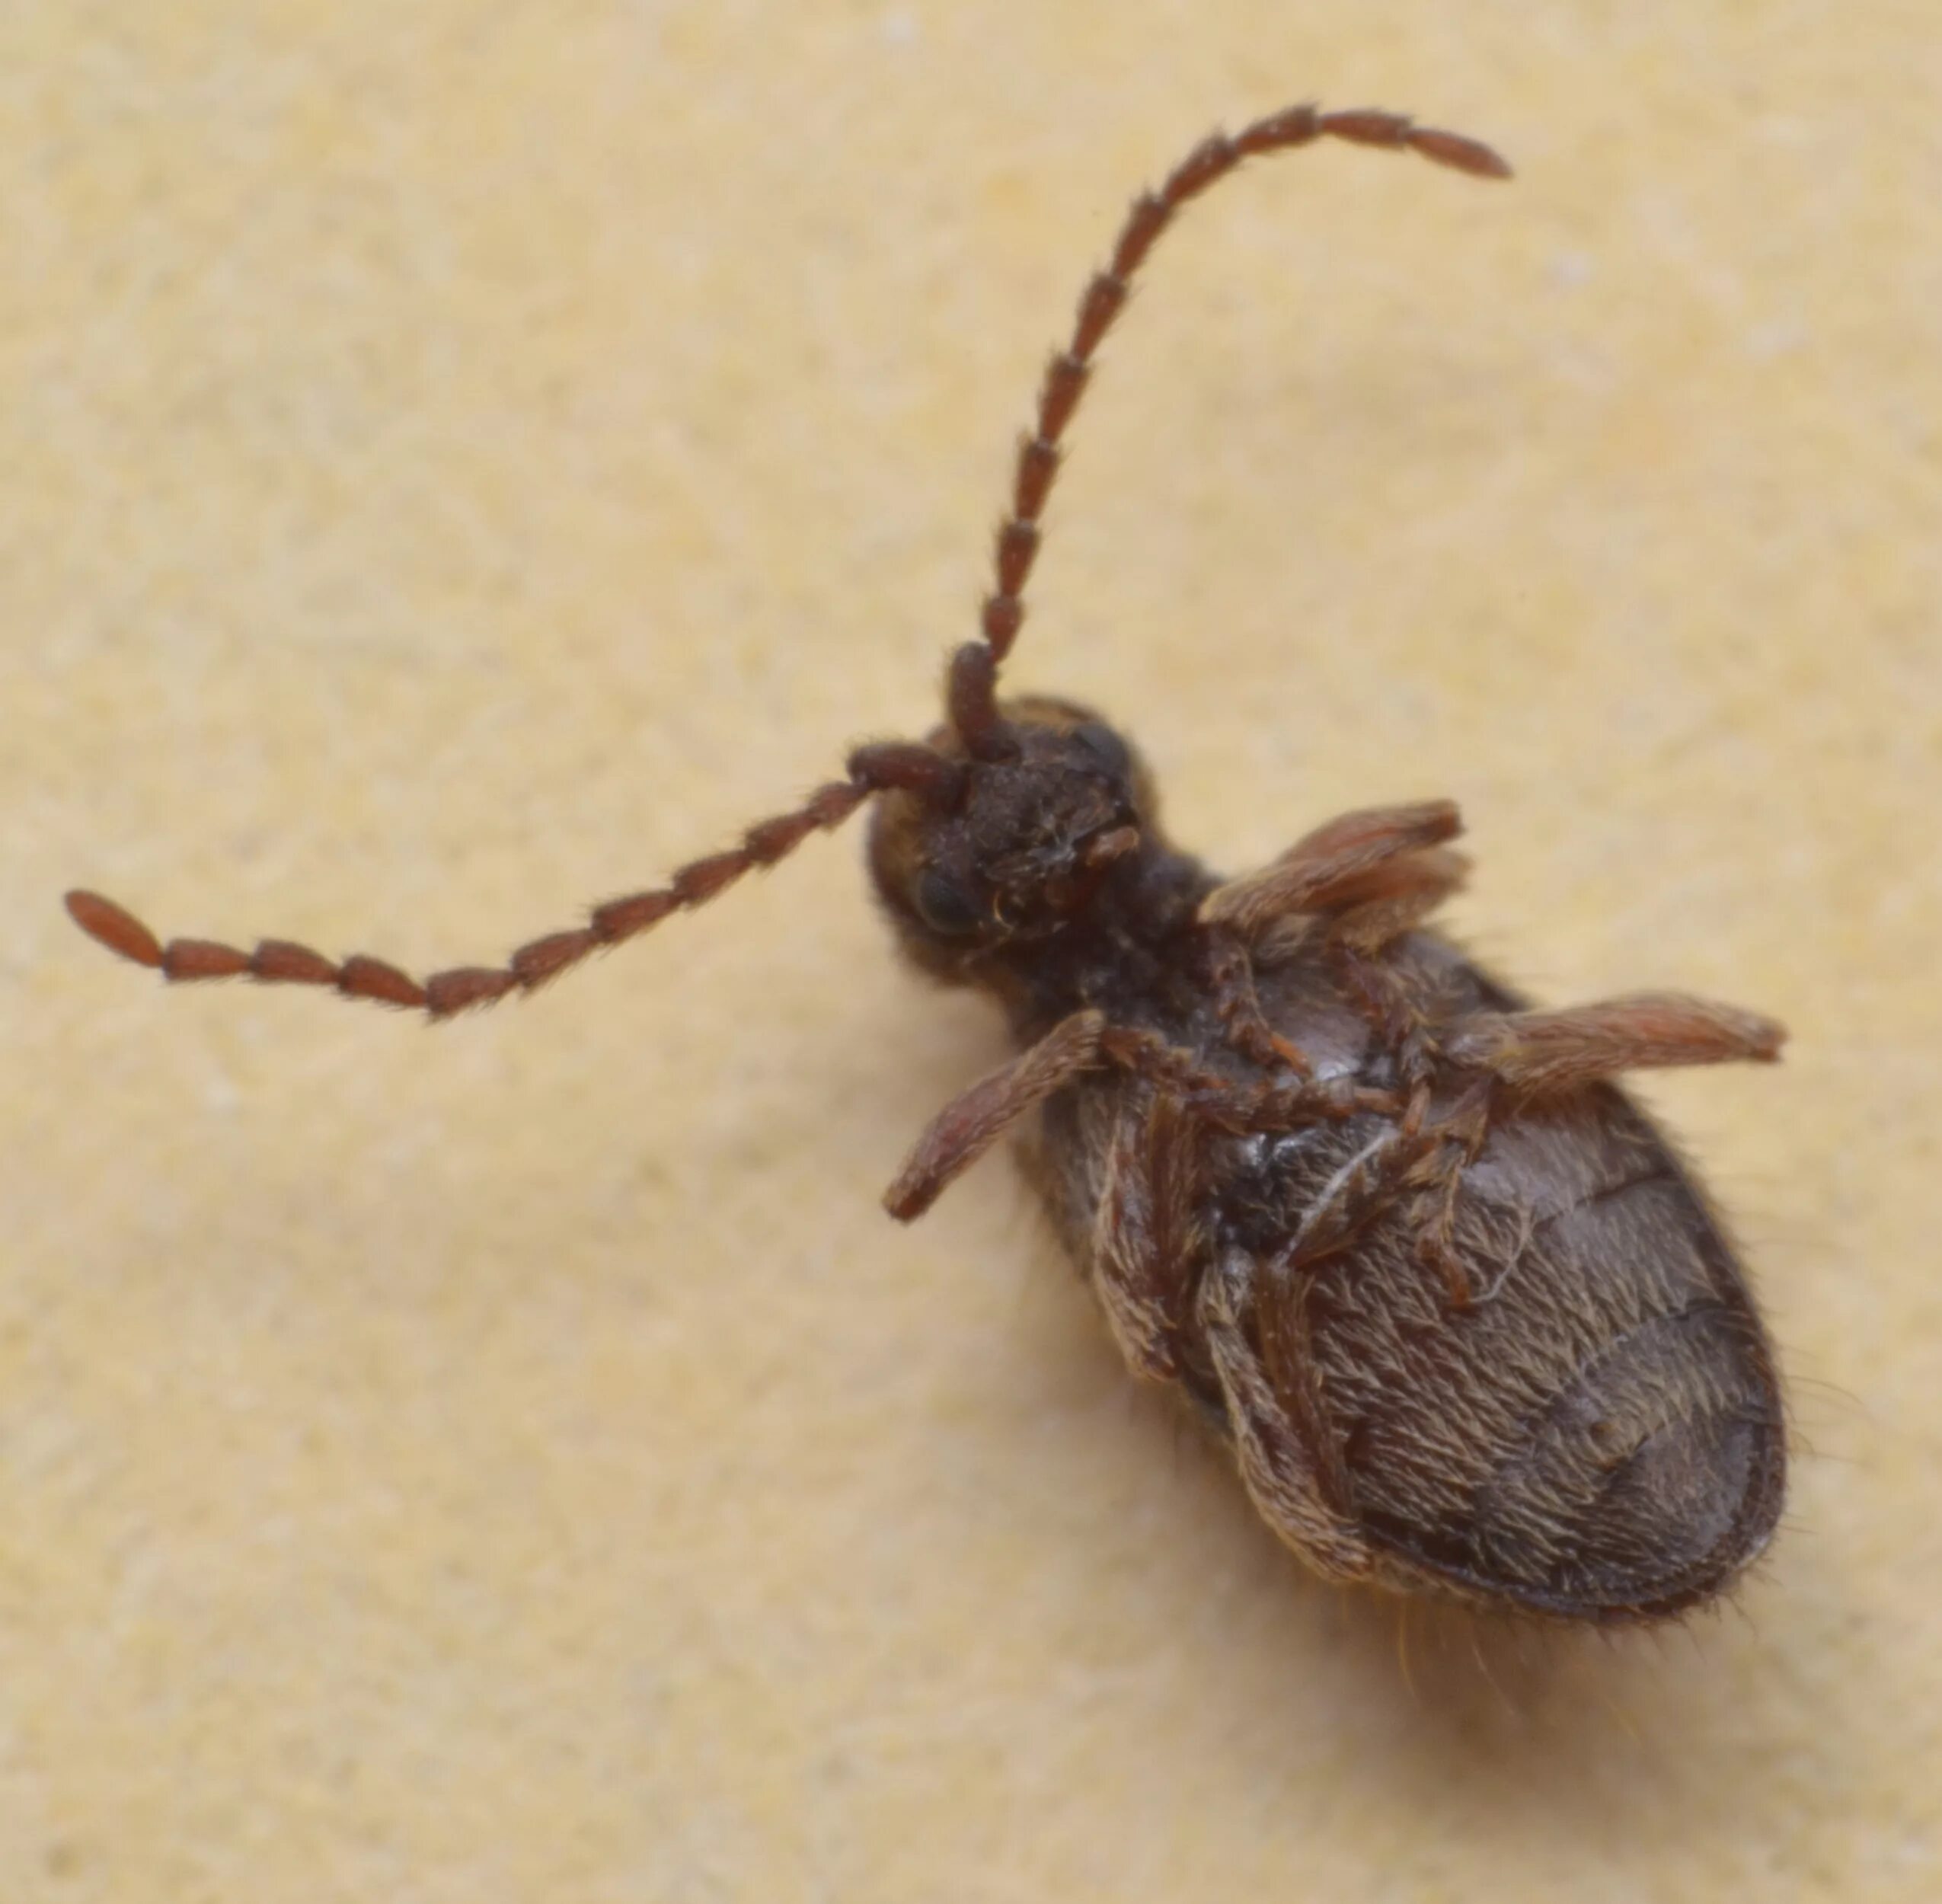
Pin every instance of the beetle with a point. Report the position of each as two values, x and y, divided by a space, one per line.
1466 1322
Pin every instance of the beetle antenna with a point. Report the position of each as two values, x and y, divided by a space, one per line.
1039 449
872 769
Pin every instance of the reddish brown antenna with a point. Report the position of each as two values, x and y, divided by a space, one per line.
283 962
971 696
974 672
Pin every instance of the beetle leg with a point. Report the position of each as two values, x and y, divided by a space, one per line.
1535 1051
1243 1107
1360 1191
1359 882
1412 1156
1238 1006
973 1121
1349 862
1278 1461
1464 1130
1148 1245
1396 899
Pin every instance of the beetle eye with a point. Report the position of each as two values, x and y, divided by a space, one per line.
1105 746
944 906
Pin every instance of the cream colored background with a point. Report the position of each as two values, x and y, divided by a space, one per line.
460 460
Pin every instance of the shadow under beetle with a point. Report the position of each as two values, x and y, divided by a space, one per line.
1466 1321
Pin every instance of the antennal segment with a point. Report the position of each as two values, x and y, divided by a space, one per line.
872 769
1067 373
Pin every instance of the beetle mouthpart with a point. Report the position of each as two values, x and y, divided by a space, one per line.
1104 848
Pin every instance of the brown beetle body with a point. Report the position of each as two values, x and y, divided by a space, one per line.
1465 1319
1597 1435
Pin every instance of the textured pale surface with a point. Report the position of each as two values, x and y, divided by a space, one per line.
458 461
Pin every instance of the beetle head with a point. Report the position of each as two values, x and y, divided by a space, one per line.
1013 840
